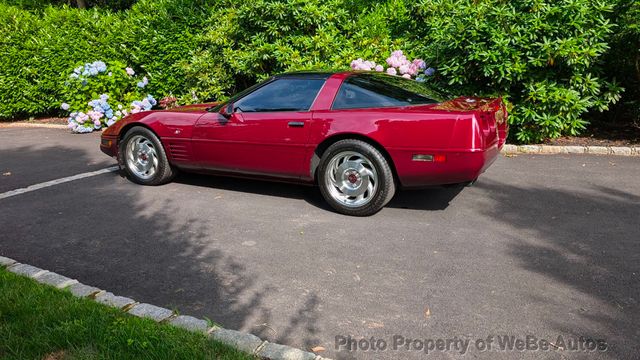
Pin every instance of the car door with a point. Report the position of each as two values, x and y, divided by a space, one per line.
265 133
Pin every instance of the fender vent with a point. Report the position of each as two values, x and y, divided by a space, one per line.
179 151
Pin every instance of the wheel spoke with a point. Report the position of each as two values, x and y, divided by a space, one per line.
370 189
351 179
141 157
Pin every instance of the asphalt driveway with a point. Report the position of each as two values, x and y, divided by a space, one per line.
541 246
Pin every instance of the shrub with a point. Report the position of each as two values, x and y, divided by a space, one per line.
543 57
251 40
99 94
40 4
38 49
623 61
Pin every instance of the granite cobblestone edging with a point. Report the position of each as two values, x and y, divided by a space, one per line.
245 342
510 149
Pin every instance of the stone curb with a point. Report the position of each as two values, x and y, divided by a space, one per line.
247 343
510 149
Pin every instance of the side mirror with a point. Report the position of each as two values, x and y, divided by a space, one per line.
227 111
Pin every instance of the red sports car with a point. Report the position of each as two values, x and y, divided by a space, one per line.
357 135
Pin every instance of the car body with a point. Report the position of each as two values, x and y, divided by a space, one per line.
281 128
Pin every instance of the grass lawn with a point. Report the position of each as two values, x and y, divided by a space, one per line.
40 322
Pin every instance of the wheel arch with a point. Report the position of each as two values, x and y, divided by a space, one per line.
324 145
131 125
128 127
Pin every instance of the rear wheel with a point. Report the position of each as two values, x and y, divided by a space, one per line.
355 178
144 159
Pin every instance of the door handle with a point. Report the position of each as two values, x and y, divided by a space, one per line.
296 123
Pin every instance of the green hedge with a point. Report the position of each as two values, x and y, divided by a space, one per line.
545 58
542 56
40 49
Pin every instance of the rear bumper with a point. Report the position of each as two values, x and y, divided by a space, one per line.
109 145
458 166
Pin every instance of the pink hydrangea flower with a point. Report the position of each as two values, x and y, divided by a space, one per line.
397 62
82 117
419 63
413 69
95 115
360 64
406 76
130 71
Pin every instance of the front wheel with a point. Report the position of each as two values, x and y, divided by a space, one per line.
144 159
355 178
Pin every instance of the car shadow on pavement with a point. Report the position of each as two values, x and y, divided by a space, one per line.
587 239
118 236
432 198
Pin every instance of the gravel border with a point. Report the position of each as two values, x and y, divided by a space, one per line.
553 149
247 343
32 125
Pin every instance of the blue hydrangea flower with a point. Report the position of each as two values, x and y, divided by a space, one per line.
64 106
146 104
152 100
143 83
430 71
100 66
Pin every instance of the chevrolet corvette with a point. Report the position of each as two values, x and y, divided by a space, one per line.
358 136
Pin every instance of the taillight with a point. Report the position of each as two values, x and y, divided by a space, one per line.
439 158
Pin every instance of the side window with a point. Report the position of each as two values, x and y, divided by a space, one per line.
370 92
282 95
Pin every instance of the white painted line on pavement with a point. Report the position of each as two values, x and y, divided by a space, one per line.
56 182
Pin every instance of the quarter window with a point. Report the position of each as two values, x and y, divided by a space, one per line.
281 95
380 90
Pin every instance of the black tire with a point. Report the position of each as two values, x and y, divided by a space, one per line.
384 187
163 171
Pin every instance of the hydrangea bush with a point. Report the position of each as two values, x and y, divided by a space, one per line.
398 64
98 95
